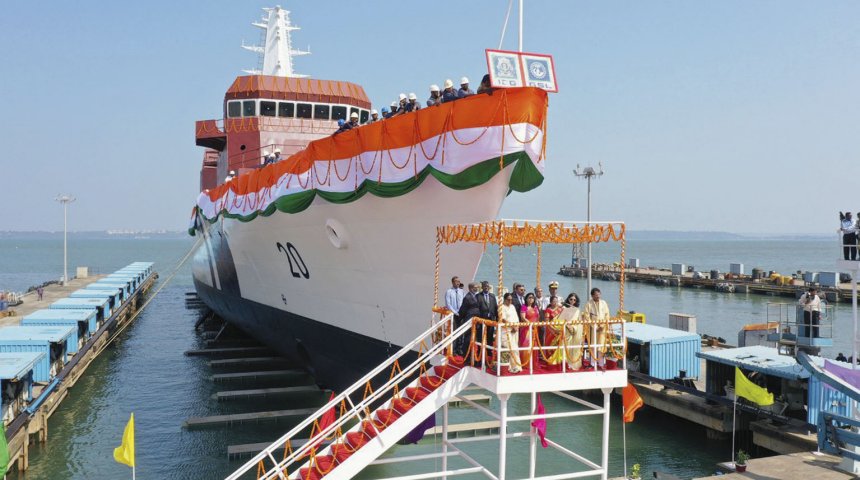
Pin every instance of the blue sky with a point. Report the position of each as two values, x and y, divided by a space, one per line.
733 115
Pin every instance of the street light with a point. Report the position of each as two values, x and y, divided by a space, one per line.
65 200
588 173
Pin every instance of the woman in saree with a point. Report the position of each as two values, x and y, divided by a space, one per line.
508 336
551 333
529 313
569 335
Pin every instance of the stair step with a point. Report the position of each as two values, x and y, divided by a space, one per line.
239 361
416 393
430 383
445 371
386 417
341 452
356 439
228 351
219 377
402 405
246 417
264 392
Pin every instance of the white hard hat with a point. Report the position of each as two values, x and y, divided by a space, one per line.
434 88
265 153
402 96
449 83
393 104
374 112
277 150
412 96
232 172
353 115
464 80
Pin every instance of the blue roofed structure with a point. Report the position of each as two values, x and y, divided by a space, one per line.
113 297
101 304
53 341
16 381
83 321
663 352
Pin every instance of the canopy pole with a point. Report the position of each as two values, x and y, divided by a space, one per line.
537 279
501 228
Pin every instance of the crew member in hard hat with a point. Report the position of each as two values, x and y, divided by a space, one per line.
385 112
412 105
401 107
464 88
393 109
435 96
230 176
344 126
277 157
449 94
267 157
374 116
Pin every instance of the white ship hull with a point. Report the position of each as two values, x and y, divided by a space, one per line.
283 280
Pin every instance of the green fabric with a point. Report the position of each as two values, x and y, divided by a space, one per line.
4 451
525 177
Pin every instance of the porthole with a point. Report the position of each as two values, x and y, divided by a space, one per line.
337 234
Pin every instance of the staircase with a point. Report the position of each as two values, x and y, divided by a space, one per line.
361 433
347 435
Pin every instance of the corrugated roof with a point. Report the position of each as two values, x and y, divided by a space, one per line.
80 302
14 365
47 333
292 88
641 333
96 293
758 358
64 314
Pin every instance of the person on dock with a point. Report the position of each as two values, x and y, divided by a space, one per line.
849 236
468 308
811 305
508 315
40 292
841 358
597 311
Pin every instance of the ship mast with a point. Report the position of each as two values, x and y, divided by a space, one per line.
276 52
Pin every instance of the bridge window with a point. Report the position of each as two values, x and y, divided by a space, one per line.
304 110
249 108
365 115
286 109
321 112
234 109
338 113
267 109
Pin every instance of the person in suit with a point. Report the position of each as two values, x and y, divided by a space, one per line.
519 296
489 306
468 309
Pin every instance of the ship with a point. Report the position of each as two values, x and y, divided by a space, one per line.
326 254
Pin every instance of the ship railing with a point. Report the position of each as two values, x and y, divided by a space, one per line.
570 350
253 158
350 411
802 325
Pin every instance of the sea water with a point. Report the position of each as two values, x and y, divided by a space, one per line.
146 371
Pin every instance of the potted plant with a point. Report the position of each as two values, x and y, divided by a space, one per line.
635 472
741 461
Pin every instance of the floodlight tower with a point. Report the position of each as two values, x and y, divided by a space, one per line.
588 173
65 200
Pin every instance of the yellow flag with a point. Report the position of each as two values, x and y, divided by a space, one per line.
125 452
744 387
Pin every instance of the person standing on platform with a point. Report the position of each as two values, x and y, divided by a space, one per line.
597 312
849 236
542 301
811 305
454 298
464 91
468 308
508 336
519 296
449 94
553 290
40 292
489 306
435 97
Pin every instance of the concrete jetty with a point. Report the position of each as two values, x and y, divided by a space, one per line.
795 466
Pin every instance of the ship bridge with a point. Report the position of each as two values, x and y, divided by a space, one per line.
273 108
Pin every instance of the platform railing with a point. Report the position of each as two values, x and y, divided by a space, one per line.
846 249
794 325
356 412
572 343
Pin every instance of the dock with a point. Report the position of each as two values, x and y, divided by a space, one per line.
795 466
73 324
661 277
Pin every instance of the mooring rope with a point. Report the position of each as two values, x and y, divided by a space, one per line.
152 297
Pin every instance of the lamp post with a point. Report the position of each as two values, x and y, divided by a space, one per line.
588 173
65 200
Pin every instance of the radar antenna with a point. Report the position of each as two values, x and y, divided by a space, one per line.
276 52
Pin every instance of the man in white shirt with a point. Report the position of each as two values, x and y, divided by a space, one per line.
597 312
849 236
811 305
541 300
454 296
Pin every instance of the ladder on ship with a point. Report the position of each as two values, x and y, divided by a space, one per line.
361 431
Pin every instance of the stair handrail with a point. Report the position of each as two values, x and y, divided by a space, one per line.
362 407
344 396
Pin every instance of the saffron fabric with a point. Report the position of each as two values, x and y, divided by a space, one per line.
631 401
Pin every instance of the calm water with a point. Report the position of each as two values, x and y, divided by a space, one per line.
147 373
